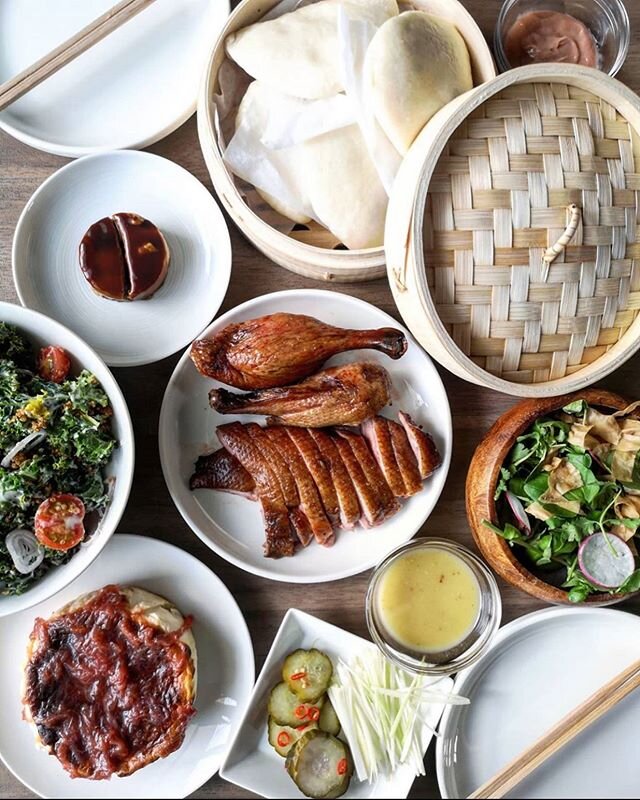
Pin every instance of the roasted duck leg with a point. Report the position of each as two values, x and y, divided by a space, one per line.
283 348
345 395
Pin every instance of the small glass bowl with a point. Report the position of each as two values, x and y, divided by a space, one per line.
607 20
477 640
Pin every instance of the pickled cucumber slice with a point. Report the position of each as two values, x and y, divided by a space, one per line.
286 708
329 721
307 673
283 737
320 765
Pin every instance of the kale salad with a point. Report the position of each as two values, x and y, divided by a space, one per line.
55 440
568 499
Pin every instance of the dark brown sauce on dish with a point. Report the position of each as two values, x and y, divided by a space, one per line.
106 689
124 257
145 252
102 260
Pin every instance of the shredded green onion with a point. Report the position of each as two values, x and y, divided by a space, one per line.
383 711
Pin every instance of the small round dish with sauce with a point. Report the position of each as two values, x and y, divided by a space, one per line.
592 33
433 607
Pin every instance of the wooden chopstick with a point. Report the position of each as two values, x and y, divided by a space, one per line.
564 731
26 80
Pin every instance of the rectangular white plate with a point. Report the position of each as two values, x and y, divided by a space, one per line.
254 765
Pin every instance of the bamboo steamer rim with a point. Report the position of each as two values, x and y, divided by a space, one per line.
306 259
406 269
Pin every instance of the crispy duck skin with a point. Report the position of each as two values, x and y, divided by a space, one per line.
405 459
321 475
377 433
278 464
287 483
345 492
372 471
222 471
372 510
345 395
280 349
279 541
310 502
424 448
310 480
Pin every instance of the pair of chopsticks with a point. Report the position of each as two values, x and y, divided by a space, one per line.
563 732
26 80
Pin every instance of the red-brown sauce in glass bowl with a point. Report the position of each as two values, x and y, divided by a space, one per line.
549 36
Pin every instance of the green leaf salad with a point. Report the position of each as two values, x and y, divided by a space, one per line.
55 437
568 499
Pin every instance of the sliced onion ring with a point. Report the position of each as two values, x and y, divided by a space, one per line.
29 440
25 551
519 513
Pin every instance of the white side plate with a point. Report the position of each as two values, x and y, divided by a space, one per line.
225 674
231 525
46 267
540 667
129 90
254 765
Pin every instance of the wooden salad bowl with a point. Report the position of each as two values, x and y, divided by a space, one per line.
482 479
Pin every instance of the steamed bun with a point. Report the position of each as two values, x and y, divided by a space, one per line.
330 178
415 64
298 53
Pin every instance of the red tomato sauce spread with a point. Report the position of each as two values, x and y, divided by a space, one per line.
106 689
542 36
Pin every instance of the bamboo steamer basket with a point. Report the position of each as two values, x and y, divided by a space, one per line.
482 194
313 252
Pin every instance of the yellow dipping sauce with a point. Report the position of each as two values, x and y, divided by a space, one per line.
428 600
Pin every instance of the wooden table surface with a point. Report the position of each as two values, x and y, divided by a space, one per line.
151 511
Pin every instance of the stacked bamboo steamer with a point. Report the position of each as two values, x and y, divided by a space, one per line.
481 196
310 250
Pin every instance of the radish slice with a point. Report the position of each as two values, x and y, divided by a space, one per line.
606 560
519 513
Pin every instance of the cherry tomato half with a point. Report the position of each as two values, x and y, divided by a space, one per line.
53 364
59 521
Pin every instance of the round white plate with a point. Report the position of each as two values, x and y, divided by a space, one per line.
46 267
41 331
232 526
225 674
129 90
540 667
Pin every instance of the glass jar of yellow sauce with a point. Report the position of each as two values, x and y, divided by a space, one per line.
433 606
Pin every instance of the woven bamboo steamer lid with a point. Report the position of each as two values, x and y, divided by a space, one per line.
309 252
481 195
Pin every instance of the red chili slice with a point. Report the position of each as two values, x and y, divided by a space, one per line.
342 766
53 364
314 713
298 676
300 712
283 739
59 522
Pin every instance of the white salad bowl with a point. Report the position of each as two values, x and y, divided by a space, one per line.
41 330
